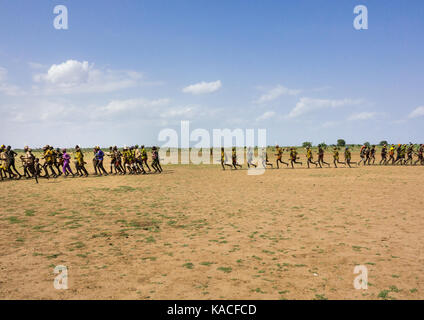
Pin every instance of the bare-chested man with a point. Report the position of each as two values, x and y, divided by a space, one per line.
310 157
321 157
336 159
279 155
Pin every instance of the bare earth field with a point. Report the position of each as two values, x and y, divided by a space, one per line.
197 232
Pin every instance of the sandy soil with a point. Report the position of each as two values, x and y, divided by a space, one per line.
197 232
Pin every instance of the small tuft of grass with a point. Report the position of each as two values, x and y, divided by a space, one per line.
384 294
53 256
14 219
188 265
149 258
29 212
78 245
150 239
102 235
225 269
55 213
394 289
258 290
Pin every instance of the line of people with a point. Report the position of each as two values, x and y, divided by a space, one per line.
133 160
404 156
57 162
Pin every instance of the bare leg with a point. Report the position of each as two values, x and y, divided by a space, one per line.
146 164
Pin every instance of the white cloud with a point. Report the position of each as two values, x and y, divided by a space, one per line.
67 74
137 112
6 88
74 76
203 87
267 115
306 105
30 111
128 110
417 112
362 116
149 109
275 93
11 90
130 105
185 112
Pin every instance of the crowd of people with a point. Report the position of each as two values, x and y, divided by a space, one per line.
401 154
134 160
57 162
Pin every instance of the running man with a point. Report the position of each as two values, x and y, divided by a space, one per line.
118 160
79 162
348 156
55 160
310 157
138 160
392 155
362 153
144 157
155 160
372 155
321 157
48 161
224 159
28 163
250 158
99 159
294 157
367 155
399 155
265 161
132 160
111 154
126 157
420 155
66 163
95 162
11 154
336 157
409 153
279 155
383 155
234 158
59 159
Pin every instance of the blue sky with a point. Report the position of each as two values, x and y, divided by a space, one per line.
124 70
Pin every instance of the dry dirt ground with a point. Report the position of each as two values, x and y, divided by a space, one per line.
197 232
